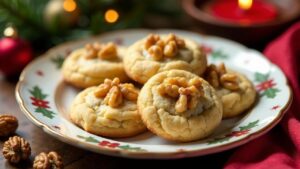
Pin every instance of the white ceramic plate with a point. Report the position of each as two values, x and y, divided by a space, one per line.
45 99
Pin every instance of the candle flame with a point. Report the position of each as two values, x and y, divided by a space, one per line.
245 4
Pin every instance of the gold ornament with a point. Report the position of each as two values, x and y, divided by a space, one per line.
61 14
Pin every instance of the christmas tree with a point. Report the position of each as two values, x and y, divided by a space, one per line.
45 23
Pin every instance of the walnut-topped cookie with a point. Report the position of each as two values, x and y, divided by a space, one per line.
89 66
235 90
180 106
158 53
109 109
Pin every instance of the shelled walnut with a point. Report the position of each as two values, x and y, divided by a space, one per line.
115 92
8 125
51 160
102 51
155 52
16 149
108 51
218 76
163 48
229 81
187 92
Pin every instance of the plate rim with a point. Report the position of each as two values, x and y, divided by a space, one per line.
149 154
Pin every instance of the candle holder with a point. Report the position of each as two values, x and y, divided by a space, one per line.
247 33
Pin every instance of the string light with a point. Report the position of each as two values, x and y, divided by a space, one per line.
111 16
69 5
10 31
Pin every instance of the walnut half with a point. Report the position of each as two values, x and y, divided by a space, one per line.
51 160
102 51
16 149
159 49
108 51
188 98
115 92
229 81
187 92
8 125
218 76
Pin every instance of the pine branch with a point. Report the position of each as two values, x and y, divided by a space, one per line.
15 11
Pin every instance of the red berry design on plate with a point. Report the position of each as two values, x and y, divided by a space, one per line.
275 107
38 100
108 144
238 133
39 103
206 49
266 85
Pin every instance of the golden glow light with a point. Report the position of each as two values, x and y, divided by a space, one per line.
10 32
69 5
245 4
111 16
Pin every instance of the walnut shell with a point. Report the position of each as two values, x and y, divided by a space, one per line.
8 125
16 149
51 160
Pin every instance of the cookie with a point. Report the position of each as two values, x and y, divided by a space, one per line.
109 110
156 53
89 66
180 106
236 92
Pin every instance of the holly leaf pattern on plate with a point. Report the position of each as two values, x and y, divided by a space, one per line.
37 93
249 126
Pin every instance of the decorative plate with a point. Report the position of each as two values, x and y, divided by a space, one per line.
45 99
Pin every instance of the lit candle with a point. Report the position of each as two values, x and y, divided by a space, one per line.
245 4
243 11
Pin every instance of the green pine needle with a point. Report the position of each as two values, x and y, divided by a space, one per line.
27 15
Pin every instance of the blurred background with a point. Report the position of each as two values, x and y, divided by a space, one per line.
29 27
45 23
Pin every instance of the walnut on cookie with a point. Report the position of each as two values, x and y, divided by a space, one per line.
218 76
167 48
186 92
113 92
102 51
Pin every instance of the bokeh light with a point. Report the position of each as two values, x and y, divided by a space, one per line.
111 16
10 31
69 5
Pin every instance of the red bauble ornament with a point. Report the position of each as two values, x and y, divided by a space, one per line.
15 54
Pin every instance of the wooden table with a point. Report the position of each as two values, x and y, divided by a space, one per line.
76 158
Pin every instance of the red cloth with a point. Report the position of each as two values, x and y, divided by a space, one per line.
280 148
